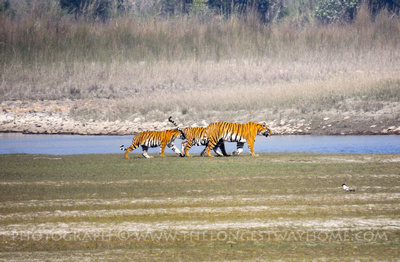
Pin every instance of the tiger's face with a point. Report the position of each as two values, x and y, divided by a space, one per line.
263 129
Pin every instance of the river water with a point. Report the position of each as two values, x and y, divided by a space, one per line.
11 143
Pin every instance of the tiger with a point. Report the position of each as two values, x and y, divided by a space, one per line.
234 132
148 139
196 136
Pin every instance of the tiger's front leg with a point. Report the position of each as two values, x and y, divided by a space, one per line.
239 150
251 148
163 145
144 153
174 148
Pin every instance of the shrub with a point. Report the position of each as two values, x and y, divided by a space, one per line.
332 11
4 5
92 9
267 10
392 6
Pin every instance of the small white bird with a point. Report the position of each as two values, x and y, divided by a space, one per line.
348 189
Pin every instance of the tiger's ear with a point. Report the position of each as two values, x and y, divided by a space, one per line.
264 124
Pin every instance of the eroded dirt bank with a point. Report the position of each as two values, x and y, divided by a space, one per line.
102 117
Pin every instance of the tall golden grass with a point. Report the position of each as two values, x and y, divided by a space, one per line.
183 63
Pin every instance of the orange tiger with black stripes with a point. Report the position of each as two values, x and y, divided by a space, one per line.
196 136
233 132
148 139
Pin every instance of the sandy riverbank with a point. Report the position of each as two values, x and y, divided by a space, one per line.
65 117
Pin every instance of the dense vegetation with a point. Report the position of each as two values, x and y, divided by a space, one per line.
50 30
310 55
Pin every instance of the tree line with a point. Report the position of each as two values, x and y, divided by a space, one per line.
267 11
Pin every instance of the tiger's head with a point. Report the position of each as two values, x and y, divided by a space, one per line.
263 129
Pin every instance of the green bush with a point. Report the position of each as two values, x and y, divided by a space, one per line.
90 9
332 11
4 5
392 6
267 10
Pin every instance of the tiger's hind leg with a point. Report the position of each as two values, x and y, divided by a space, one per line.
185 148
203 152
208 148
144 153
127 150
221 145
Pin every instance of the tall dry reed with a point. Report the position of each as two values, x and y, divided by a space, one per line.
200 64
42 34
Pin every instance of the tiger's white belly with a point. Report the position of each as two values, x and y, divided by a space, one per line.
234 138
200 142
152 143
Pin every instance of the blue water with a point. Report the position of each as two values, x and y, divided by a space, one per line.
11 143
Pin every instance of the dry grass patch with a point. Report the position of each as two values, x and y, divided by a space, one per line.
153 68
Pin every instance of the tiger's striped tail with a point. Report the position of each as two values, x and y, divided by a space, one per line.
175 124
122 148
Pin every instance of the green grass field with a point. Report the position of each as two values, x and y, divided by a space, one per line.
279 206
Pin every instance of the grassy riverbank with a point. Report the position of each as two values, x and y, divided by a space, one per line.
142 69
276 206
